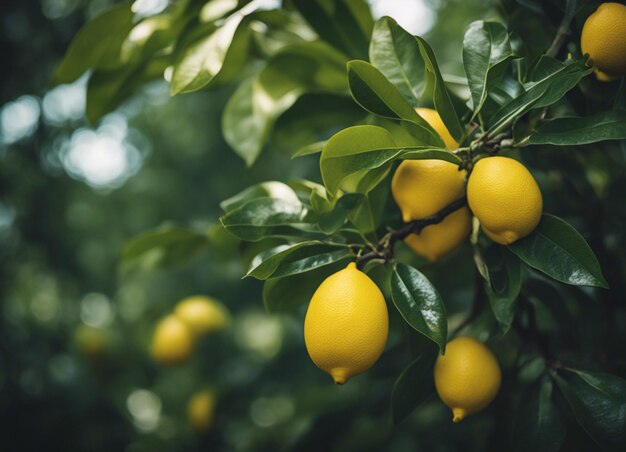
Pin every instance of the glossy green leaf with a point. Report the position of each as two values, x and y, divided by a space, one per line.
549 82
258 102
420 304
346 24
608 125
505 281
286 294
558 250
97 44
422 135
338 211
269 189
372 91
486 52
539 424
285 260
165 246
395 53
266 217
413 387
148 36
368 214
598 401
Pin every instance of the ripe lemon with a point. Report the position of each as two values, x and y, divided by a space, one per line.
203 315
172 342
604 38
433 119
505 198
201 410
467 377
346 324
422 188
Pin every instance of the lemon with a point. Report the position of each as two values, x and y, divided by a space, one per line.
346 324
201 410
604 38
505 198
467 377
422 188
172 342
203 315
91 341
433 119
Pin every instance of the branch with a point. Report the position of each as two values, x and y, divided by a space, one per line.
557 43
384 249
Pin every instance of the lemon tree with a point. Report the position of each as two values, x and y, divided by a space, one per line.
450 167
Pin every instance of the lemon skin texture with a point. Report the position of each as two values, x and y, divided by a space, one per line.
604 38
433 118
201 410
172 342
467 377
438 240
203 315
505 198
346 324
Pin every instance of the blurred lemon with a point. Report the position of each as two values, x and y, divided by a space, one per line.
467 377
91 341
172 342
201 410
203 315
604 38
346 324
505 198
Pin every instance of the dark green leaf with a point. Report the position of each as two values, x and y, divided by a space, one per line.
559 251
598 401
608 125
97 44
486 51
285 294
420 304
413 386
396 54
505 280
539 425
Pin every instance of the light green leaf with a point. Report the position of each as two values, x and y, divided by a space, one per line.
558 250
270 189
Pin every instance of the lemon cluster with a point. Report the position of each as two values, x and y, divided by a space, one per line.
175 335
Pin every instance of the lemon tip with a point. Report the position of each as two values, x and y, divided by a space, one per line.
458 414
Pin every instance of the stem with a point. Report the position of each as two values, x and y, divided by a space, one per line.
384 249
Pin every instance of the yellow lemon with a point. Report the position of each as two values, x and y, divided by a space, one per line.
433 119
467 377
172 342
201 410
505 198
346 324
604 38
422 188
203 315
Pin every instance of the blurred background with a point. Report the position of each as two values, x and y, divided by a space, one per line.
75 324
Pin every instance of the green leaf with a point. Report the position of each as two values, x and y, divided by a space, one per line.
396 54
372 91
549 81
286 294
420 304
486 52
166 246
558 250
97 44
251 112
608 125
598 401
266 217
413 387
270 189
440 95
346 24
214 59
148 36
335 212
286 260
539 424
505 281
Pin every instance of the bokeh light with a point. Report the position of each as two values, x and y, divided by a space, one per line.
19 119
